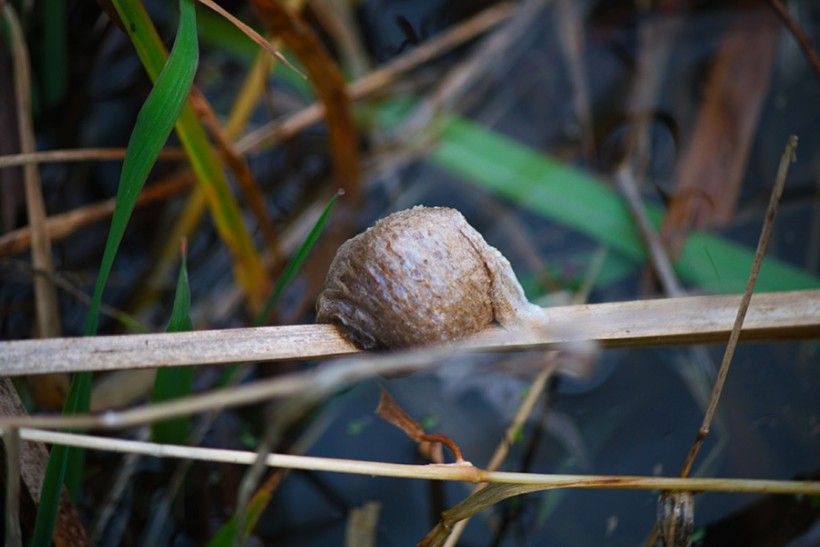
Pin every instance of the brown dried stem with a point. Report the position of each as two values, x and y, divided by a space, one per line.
66 285
657 254
15 357
799 34
34 458
48 312
81 154
534 393
723 372
247 182
62 225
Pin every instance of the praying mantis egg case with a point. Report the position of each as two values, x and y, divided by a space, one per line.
420 276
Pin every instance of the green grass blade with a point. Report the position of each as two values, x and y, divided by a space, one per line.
154 123
248 269
581 201
292 267
153 127
175 382
295 262
226 534
54 52
58 464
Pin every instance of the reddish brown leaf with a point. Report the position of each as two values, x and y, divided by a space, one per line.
390 411
328 83
711 171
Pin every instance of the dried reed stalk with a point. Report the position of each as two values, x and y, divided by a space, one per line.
454 472
689 320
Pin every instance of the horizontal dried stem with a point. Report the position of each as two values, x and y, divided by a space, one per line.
690 320
455 472
80 154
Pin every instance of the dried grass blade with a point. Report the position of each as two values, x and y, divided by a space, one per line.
708 183
49 391
253 35
668 321
48 314
33 461
483 499
247 182
723 372
449 472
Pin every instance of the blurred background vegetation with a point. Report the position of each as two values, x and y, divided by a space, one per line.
521 123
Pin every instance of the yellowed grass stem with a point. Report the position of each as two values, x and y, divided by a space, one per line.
454 472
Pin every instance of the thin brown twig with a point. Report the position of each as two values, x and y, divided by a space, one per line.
799 34
328 84
45 294
462 77
65 284
62 225
723 372
657 254
113 497
657 35
278 423
81 154
247 182
524 410
337 19
570 31
699 375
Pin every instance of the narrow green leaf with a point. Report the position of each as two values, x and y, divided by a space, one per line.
154 123
226 534
581 201
175 382
295 263
58 463
210 176
54 52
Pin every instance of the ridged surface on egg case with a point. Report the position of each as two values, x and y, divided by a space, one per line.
415 277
